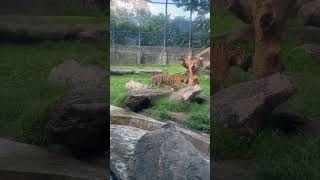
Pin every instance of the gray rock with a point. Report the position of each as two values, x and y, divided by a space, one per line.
313 50
136 85
77 120
165 154
93 34
72 73
125 117
140 99
29 162
123 140
244 106
121 71
310 12
187 94
307 34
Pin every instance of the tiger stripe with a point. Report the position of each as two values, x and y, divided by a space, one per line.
168 79
225 57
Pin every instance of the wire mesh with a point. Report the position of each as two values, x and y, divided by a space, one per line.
134 34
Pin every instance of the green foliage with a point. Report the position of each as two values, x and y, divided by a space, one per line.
153 27
199 120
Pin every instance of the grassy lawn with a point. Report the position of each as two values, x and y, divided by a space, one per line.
24 90
199 118
279 156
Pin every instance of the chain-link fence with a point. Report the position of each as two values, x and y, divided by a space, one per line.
142 37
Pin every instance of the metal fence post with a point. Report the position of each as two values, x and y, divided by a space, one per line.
113 24
139 55
190 26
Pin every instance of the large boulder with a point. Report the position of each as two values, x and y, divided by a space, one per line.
141 98
313 50
77 120
165 154
136 85
307 34
310 12
30 162
243 107
187 94
93 34
123 140
73 73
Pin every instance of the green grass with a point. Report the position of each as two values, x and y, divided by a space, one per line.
199 118
24 90
278 156
287 158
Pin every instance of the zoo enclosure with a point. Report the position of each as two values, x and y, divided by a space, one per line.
176 37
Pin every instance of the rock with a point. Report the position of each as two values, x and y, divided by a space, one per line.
93 34
77 120
120 116
313 50
123 140
72 73
30 162
140 99
244 106
307 34
121 71
187 94
136 85
310 12
178 117
166 154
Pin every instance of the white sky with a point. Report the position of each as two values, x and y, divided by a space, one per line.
151 7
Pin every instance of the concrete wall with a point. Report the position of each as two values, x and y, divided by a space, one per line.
147 55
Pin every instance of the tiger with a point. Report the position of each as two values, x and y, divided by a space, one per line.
174 80
223 58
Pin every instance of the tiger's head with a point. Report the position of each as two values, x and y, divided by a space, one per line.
242 60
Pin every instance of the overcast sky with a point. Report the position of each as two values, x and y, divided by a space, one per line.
151 7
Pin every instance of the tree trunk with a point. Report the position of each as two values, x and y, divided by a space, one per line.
241 9
193 64
193 71
269 19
